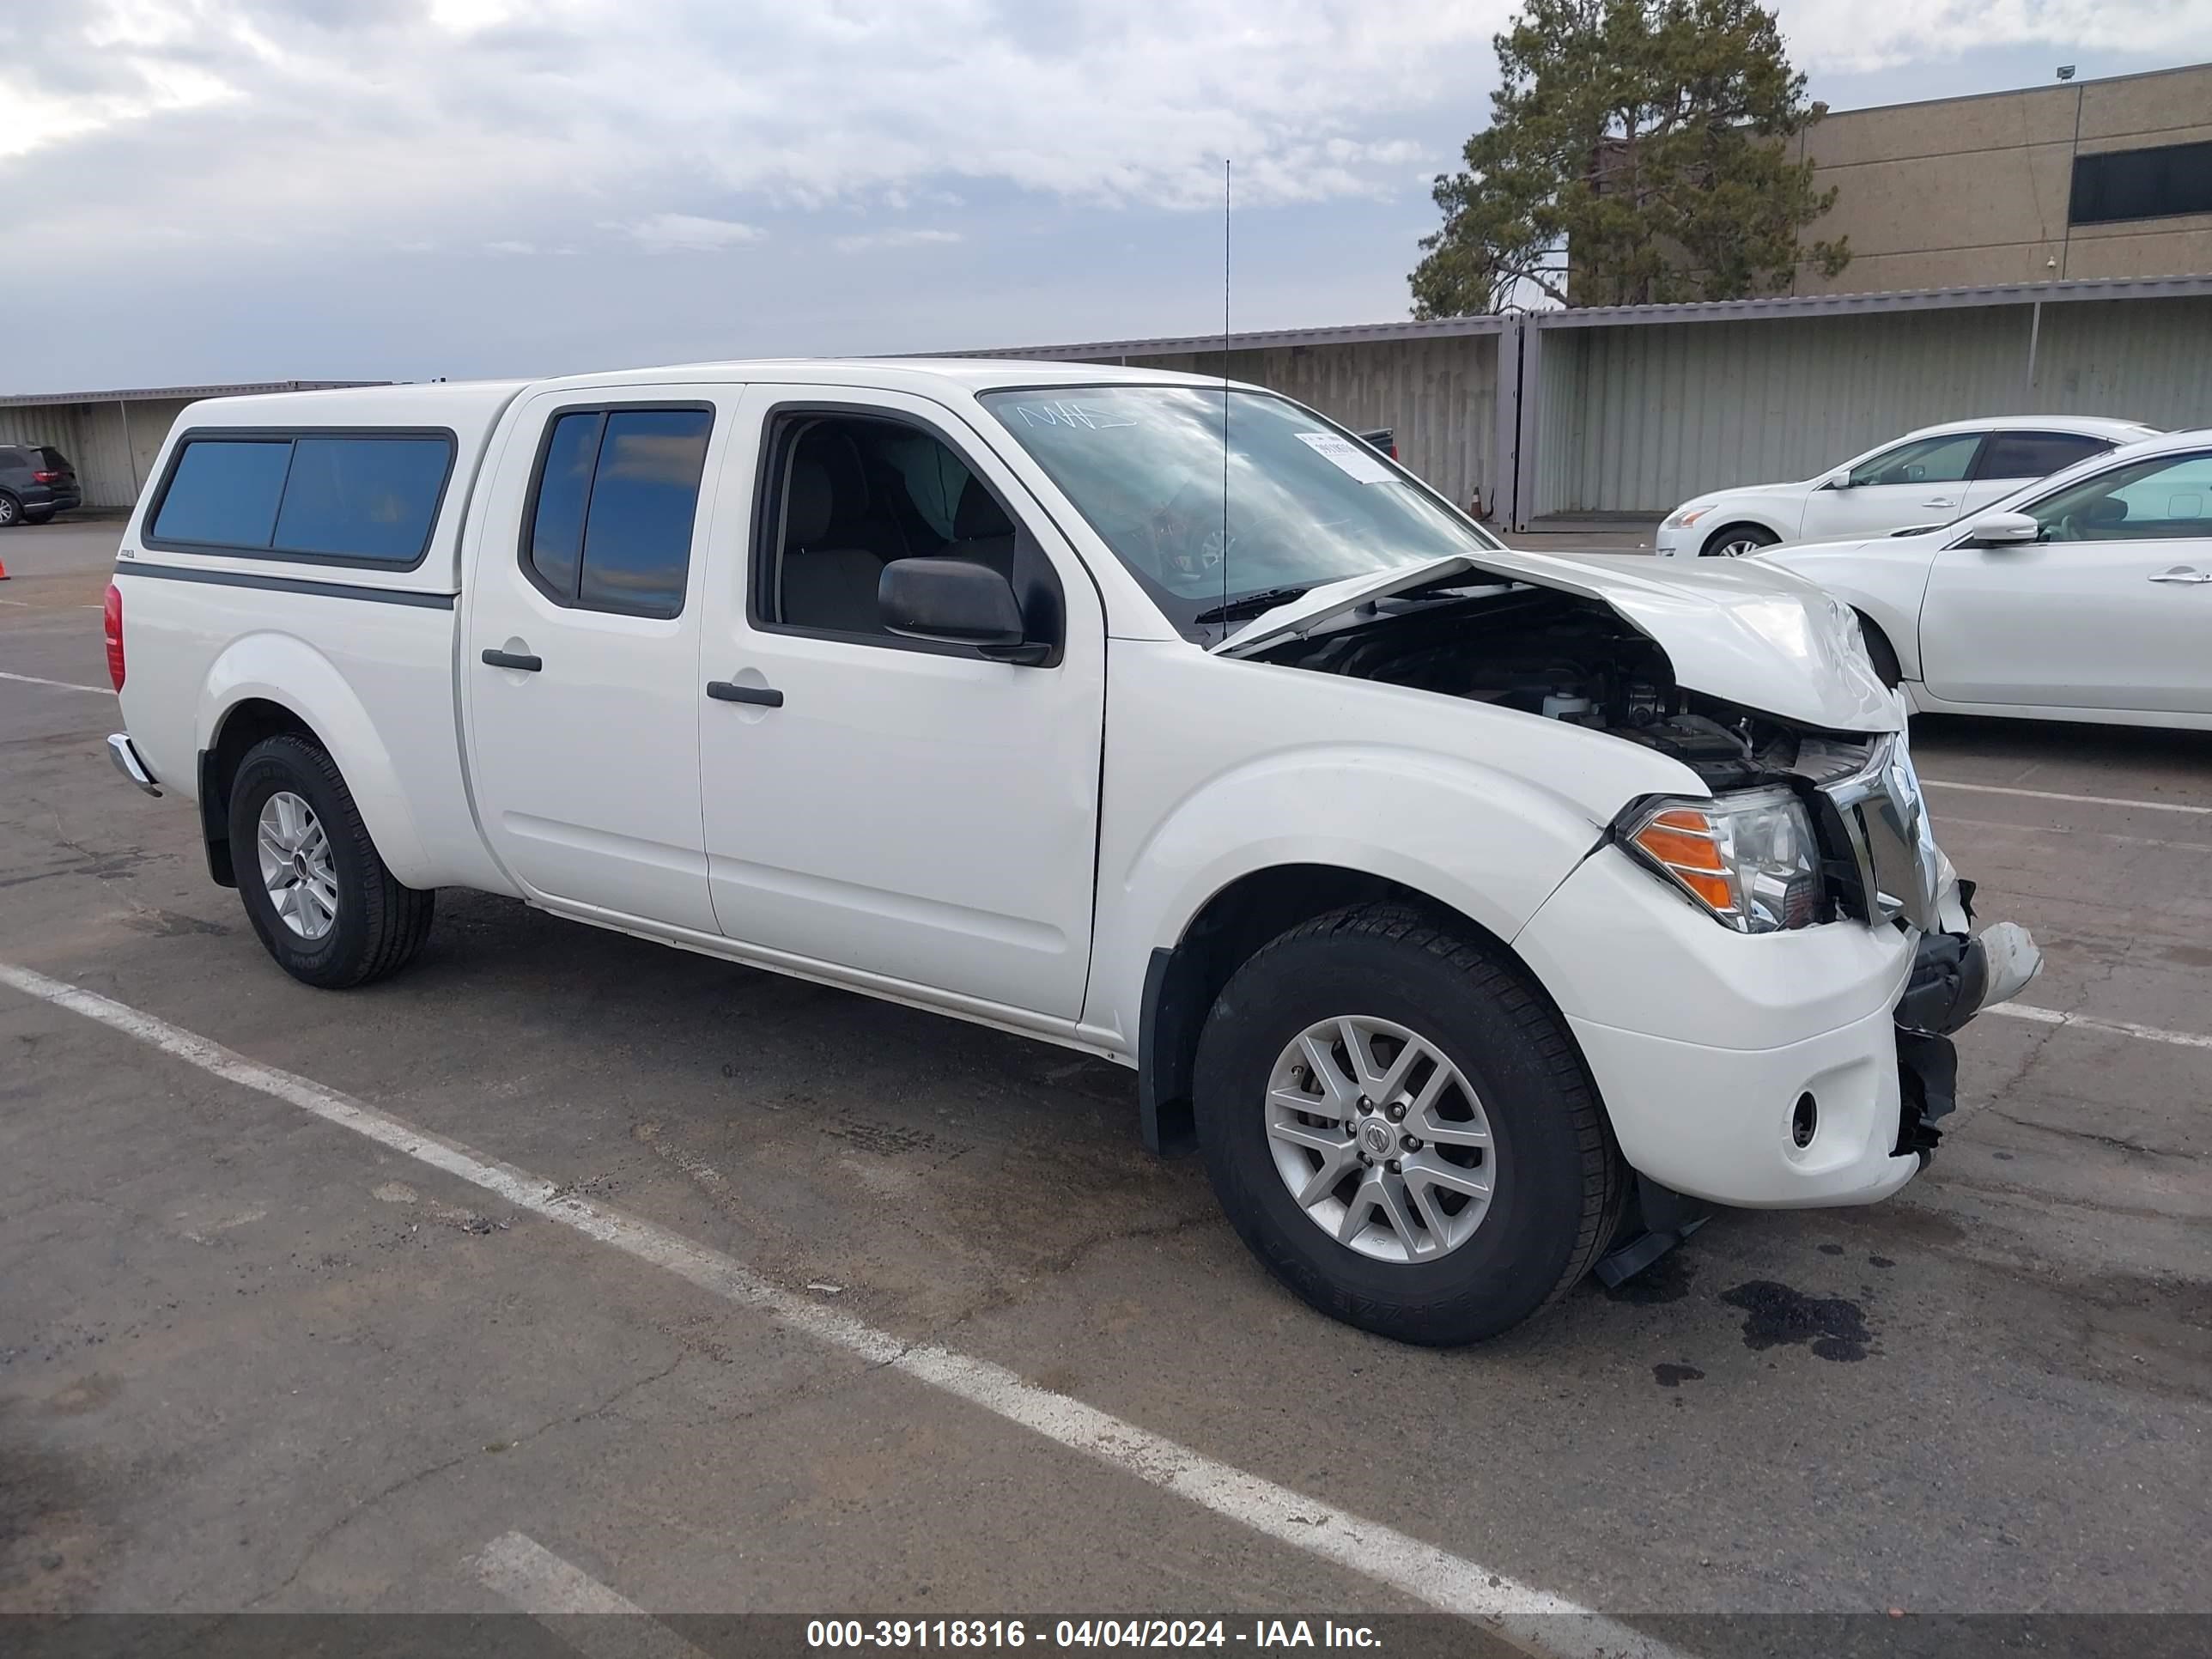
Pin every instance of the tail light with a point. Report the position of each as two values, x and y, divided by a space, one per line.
45 478
110 622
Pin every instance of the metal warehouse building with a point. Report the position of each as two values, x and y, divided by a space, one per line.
112 437
1631 410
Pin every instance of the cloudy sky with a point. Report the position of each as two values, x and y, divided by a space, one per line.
220 190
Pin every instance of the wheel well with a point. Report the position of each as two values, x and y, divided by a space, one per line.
247 724
1714 539
1181 984
1881 651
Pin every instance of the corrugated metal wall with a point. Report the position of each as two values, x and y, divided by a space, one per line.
1638 417
91 436
1440 396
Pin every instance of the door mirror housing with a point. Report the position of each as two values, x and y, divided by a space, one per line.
1839 479
2003 530
956 602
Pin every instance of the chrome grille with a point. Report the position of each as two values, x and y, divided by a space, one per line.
1886 835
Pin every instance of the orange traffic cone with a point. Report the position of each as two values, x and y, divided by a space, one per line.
3 570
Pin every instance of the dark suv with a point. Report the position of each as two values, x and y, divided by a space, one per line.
36 481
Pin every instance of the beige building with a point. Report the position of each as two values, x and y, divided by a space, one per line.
2086 179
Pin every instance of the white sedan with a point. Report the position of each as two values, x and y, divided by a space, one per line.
1926 477
2086 596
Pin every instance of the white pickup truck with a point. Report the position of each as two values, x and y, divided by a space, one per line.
1476 913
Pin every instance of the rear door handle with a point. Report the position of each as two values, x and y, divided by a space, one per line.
731 691
2182 573
523 660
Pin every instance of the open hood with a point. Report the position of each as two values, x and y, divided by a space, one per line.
1741 631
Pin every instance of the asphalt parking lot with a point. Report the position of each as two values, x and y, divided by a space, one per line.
254 1357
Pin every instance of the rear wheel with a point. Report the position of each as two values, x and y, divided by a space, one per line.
1400 1127
1734 541
314 886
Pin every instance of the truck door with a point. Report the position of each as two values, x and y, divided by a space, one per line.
889 806
579 646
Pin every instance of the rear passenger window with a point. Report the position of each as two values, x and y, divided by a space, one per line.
224 494
365 499
610 520
2035 455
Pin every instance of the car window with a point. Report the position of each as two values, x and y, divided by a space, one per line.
850 493
2035 455
610 520
224 493
52 458
370 499
2159 498
1944 459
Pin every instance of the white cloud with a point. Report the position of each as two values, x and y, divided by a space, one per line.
875 239
1824 34
689 233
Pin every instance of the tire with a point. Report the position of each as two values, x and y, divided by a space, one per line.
11 511
1557 1181
375 926
1733 541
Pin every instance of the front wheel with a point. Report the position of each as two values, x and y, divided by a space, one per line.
314 886
1734 541
1399 1126
11 511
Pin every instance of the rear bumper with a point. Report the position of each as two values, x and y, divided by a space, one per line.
124 753
44 498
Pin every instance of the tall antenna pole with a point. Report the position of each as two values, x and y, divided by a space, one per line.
1224 393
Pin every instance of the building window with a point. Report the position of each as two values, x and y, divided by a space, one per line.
2141 184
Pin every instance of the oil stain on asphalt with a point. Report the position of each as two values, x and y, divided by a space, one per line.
1777 1315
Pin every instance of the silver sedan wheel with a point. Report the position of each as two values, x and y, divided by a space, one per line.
1736 546
295 865
1379 1139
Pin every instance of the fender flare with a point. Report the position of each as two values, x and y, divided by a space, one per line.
284 670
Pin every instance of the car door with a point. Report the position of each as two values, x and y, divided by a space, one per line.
1920 481
890 807
2110 608
580 647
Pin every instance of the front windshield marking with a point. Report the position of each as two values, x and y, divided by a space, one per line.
1307 504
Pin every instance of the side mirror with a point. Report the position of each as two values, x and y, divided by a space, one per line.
1839 479
956 602
2002 530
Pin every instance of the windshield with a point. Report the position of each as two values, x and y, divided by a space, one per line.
1308 504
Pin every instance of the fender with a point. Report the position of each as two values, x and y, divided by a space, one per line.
1485 843
282 669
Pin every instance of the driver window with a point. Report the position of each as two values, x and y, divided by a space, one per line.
1926 460
2162 498
847 493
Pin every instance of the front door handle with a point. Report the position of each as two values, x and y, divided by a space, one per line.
731 691
2182 573
521 659
1940 500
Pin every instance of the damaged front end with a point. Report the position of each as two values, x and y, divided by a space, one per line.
1595 662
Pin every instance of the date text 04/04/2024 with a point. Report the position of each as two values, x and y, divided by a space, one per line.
1261 1635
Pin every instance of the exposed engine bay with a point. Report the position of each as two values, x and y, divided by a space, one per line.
1567 658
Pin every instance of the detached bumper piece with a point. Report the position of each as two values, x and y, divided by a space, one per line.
1954 978
124 753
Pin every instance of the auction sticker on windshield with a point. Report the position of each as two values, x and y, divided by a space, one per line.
1356 459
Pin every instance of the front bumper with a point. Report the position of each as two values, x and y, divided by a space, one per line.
1674 541
1706 1044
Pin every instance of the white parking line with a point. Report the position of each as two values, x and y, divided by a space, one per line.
66 685
1530 1618
1952 819
2085 801
2097 1023
541 1584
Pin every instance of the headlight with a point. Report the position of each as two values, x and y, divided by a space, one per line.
1683 517
1748 859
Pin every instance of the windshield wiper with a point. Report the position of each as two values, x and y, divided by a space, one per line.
1251 604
